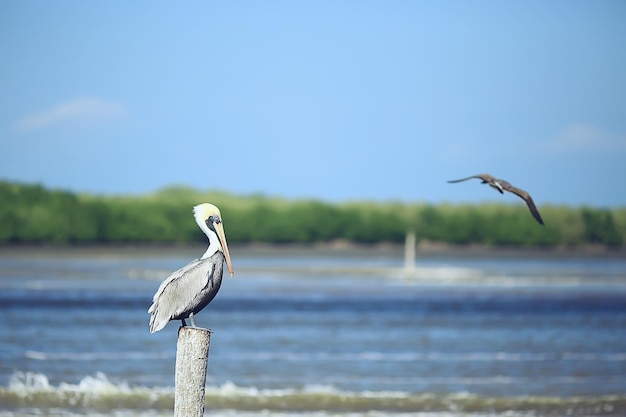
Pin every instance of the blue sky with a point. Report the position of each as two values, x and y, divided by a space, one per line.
333 100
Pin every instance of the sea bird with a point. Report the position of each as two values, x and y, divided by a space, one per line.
188 290
503 186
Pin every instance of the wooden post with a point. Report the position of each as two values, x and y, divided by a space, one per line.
409 253
192 357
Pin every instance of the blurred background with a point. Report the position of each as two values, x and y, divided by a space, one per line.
325 132
333 101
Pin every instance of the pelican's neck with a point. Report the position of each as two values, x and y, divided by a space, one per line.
214 243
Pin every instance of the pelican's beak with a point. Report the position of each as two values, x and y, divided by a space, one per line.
219 228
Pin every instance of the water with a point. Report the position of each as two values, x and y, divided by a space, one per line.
314 333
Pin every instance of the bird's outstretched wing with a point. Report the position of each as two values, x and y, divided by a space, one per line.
526 197
500 185
484 177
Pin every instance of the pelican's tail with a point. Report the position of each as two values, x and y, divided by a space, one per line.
157 321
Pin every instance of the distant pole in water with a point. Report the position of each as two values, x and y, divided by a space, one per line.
409 253
192 357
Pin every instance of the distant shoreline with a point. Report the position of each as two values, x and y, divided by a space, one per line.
338 248
36 215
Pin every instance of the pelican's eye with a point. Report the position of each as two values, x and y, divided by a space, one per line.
214 219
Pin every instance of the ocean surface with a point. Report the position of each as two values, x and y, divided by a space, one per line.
319 333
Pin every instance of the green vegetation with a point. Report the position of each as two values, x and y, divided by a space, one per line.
33 214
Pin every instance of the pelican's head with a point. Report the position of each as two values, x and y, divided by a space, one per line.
209 219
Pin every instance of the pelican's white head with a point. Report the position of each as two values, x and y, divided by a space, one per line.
209 219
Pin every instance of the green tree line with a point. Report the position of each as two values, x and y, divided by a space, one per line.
30 213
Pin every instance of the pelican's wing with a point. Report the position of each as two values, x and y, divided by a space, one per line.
178 291
526 197
484 177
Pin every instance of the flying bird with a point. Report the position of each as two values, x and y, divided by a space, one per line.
503 186
188 290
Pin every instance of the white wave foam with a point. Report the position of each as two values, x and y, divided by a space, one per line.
25 383
97 390
29 381
230 389
32 394
35 382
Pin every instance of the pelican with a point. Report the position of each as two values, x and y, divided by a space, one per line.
188 290
503 186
